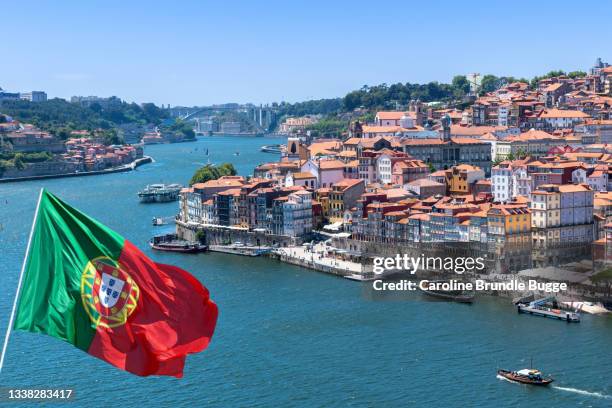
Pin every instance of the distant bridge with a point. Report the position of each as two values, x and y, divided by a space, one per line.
259 117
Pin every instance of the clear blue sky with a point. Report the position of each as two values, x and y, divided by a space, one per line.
201 52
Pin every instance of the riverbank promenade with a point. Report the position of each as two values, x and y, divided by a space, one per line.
321 257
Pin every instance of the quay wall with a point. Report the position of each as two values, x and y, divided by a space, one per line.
119 169
219 235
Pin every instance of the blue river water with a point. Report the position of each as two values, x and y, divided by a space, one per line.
292 337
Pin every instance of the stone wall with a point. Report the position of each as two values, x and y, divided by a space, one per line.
219 235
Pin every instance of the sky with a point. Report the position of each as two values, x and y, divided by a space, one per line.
201 52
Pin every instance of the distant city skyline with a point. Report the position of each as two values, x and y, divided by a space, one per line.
201 53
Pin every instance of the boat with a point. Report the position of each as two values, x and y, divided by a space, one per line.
526 376
157 221
461 296
548 307
171 243
588 307
362 277
160 193
275 148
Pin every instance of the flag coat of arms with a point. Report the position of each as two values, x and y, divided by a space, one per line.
87 285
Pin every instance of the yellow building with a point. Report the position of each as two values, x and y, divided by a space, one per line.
322 196
509 219
460 179
509 229
343 196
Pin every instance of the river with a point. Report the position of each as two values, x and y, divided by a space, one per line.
293 337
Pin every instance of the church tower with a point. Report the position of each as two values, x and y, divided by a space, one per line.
446 130
356 129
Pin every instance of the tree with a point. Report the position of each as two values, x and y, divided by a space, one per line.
200 236
181 127
461 85
211 172
55 114
111 137
604 278
63 133
330 126
18 161
576 74
521 154
227 169
489 83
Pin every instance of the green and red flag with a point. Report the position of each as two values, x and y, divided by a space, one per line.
87 285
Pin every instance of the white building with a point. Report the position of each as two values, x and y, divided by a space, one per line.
598 180
34 96
579 176
208 212
508 182
326 171
562 119
194 206
500 149
503 112
384 168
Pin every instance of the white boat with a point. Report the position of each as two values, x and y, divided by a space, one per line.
362 277
160 193
548 307
588 307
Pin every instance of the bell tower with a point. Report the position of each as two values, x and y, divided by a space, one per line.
446 130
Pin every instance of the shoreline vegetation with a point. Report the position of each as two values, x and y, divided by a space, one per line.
118 169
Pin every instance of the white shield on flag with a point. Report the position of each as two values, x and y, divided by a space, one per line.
110 290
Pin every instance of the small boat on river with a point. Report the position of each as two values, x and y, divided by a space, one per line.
275 148
160 193
529 376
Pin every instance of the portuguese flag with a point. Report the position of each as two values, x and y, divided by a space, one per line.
87 285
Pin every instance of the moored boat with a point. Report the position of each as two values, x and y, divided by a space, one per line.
549 307
455 295
362 277
526 376
171 243
160 193
275 148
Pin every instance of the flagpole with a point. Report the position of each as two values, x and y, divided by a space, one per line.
25 259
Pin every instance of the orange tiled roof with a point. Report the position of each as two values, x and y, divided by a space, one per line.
562 113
